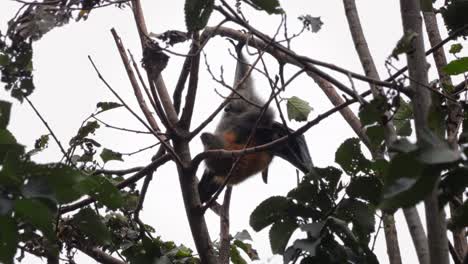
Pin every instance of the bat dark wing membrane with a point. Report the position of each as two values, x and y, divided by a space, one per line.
207 186
295 151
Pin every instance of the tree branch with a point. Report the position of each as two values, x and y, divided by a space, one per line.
131 180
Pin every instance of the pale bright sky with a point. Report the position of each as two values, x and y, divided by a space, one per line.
67 90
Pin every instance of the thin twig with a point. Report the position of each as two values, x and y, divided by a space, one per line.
49 129
163 141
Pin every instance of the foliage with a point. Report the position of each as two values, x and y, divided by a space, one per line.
332 211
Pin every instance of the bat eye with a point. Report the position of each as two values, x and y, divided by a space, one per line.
228 108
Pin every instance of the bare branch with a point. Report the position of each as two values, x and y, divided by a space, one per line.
49 129
163 141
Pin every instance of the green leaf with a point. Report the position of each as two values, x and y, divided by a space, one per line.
454 14
247 248
269 211
91 225
5 109
280 233
313 229
104 106
376 135
457 66
455 48
308 245
236 257
366 188
372 112
102 190
39 145
8 240
349 156
453 184
298 109
4 60
197 13
304 192
8 144
360 214
404 185
64 181
107 155
269 6
37 214
38 188
84 131
405 44
5 206
402 118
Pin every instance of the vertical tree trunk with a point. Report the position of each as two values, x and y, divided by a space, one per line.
454 116
417 66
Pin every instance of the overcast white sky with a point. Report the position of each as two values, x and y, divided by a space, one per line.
67 90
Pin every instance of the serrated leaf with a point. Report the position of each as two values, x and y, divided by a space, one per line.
298 109
91 225
280 233
269 211
360 214
5 110
366 188
457 66
8 240
349 156
455 48
37 214
269 6
104 106
107 155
